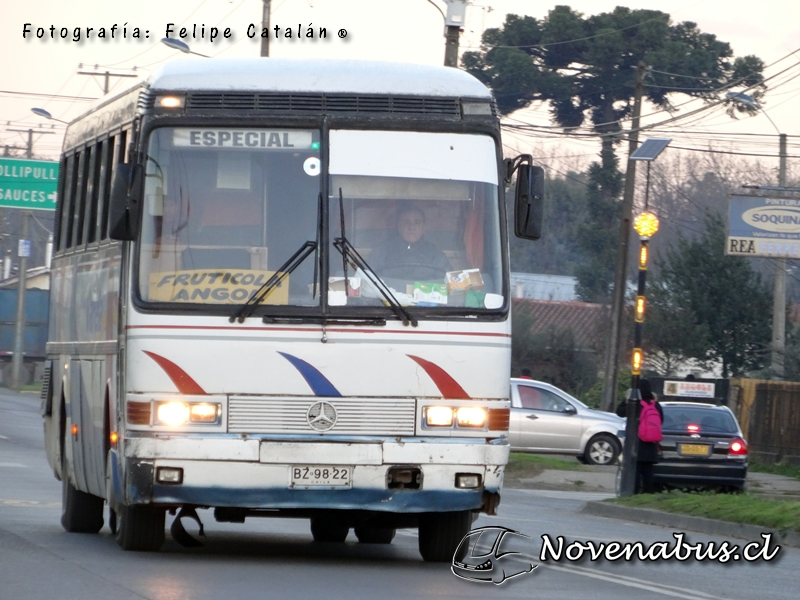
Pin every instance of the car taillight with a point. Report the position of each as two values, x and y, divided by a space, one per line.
738 448
693 428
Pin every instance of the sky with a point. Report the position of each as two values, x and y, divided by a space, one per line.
45 72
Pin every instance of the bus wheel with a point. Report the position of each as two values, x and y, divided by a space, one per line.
80 512
374 535
440 534
112 521
328 530
140 528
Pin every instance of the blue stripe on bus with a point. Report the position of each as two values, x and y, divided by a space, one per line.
383 500
317 381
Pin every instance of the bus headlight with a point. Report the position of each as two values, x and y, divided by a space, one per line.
471 416
172 413
439 416
181 413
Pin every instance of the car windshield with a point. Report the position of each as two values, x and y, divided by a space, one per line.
708 420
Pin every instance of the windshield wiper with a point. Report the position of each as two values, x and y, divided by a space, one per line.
348 252
343 245
274 281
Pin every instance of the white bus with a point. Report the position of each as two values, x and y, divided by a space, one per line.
280 288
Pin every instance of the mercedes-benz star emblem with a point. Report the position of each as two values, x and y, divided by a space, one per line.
321 416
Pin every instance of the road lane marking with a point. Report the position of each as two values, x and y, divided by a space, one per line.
13 465
658 588
37 503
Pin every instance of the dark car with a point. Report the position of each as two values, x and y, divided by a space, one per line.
703 447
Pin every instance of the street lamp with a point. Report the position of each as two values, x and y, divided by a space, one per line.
40 112
779 289
182 46
646 225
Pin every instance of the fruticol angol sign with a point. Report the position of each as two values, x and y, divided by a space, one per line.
759 226
28 184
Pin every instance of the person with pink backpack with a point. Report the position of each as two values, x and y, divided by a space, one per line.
649 417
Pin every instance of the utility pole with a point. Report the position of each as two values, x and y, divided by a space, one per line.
19 330
265 27
106 76
30 132
454 22
779 291
608 400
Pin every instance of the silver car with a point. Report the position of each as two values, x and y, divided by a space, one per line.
547 420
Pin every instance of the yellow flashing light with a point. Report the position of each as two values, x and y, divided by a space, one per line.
646 224
636 361
639 309
643 253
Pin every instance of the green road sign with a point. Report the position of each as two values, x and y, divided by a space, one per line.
28 184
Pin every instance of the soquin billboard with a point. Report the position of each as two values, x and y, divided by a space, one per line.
761 226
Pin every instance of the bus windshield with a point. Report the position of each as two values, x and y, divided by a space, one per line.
224 209
422 210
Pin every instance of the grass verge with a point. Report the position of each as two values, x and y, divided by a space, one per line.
523 466
783 515
785 470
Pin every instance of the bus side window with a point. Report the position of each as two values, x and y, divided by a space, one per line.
103 184
80 197
90 211
67 198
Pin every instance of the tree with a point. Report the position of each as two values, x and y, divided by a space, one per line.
556 252
585 67
717 304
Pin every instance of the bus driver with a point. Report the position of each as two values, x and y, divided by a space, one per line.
407 254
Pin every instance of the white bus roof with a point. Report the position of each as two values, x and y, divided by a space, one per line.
301 75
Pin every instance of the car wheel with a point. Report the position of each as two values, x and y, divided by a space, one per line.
602 449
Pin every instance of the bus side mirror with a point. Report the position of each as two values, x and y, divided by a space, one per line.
126 193
529 202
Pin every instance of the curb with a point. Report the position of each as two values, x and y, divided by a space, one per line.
685 522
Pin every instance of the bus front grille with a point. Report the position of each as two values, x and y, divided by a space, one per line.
341 416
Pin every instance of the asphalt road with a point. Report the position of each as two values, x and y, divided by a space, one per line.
276 558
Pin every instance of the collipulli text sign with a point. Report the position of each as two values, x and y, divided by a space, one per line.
28 184
759 226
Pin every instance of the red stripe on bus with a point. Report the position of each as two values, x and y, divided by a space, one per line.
181 379
447 385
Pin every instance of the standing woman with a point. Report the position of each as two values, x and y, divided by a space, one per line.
649 451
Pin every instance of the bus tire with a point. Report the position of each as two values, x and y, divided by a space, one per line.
328 530
440 534
374 535
140 528
80 512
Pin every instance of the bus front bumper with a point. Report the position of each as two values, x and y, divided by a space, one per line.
257 473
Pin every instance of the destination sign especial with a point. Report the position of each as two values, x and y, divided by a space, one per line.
252 139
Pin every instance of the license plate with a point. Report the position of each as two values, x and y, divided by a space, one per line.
694 449
320 476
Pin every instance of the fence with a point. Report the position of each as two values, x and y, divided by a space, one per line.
769 413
